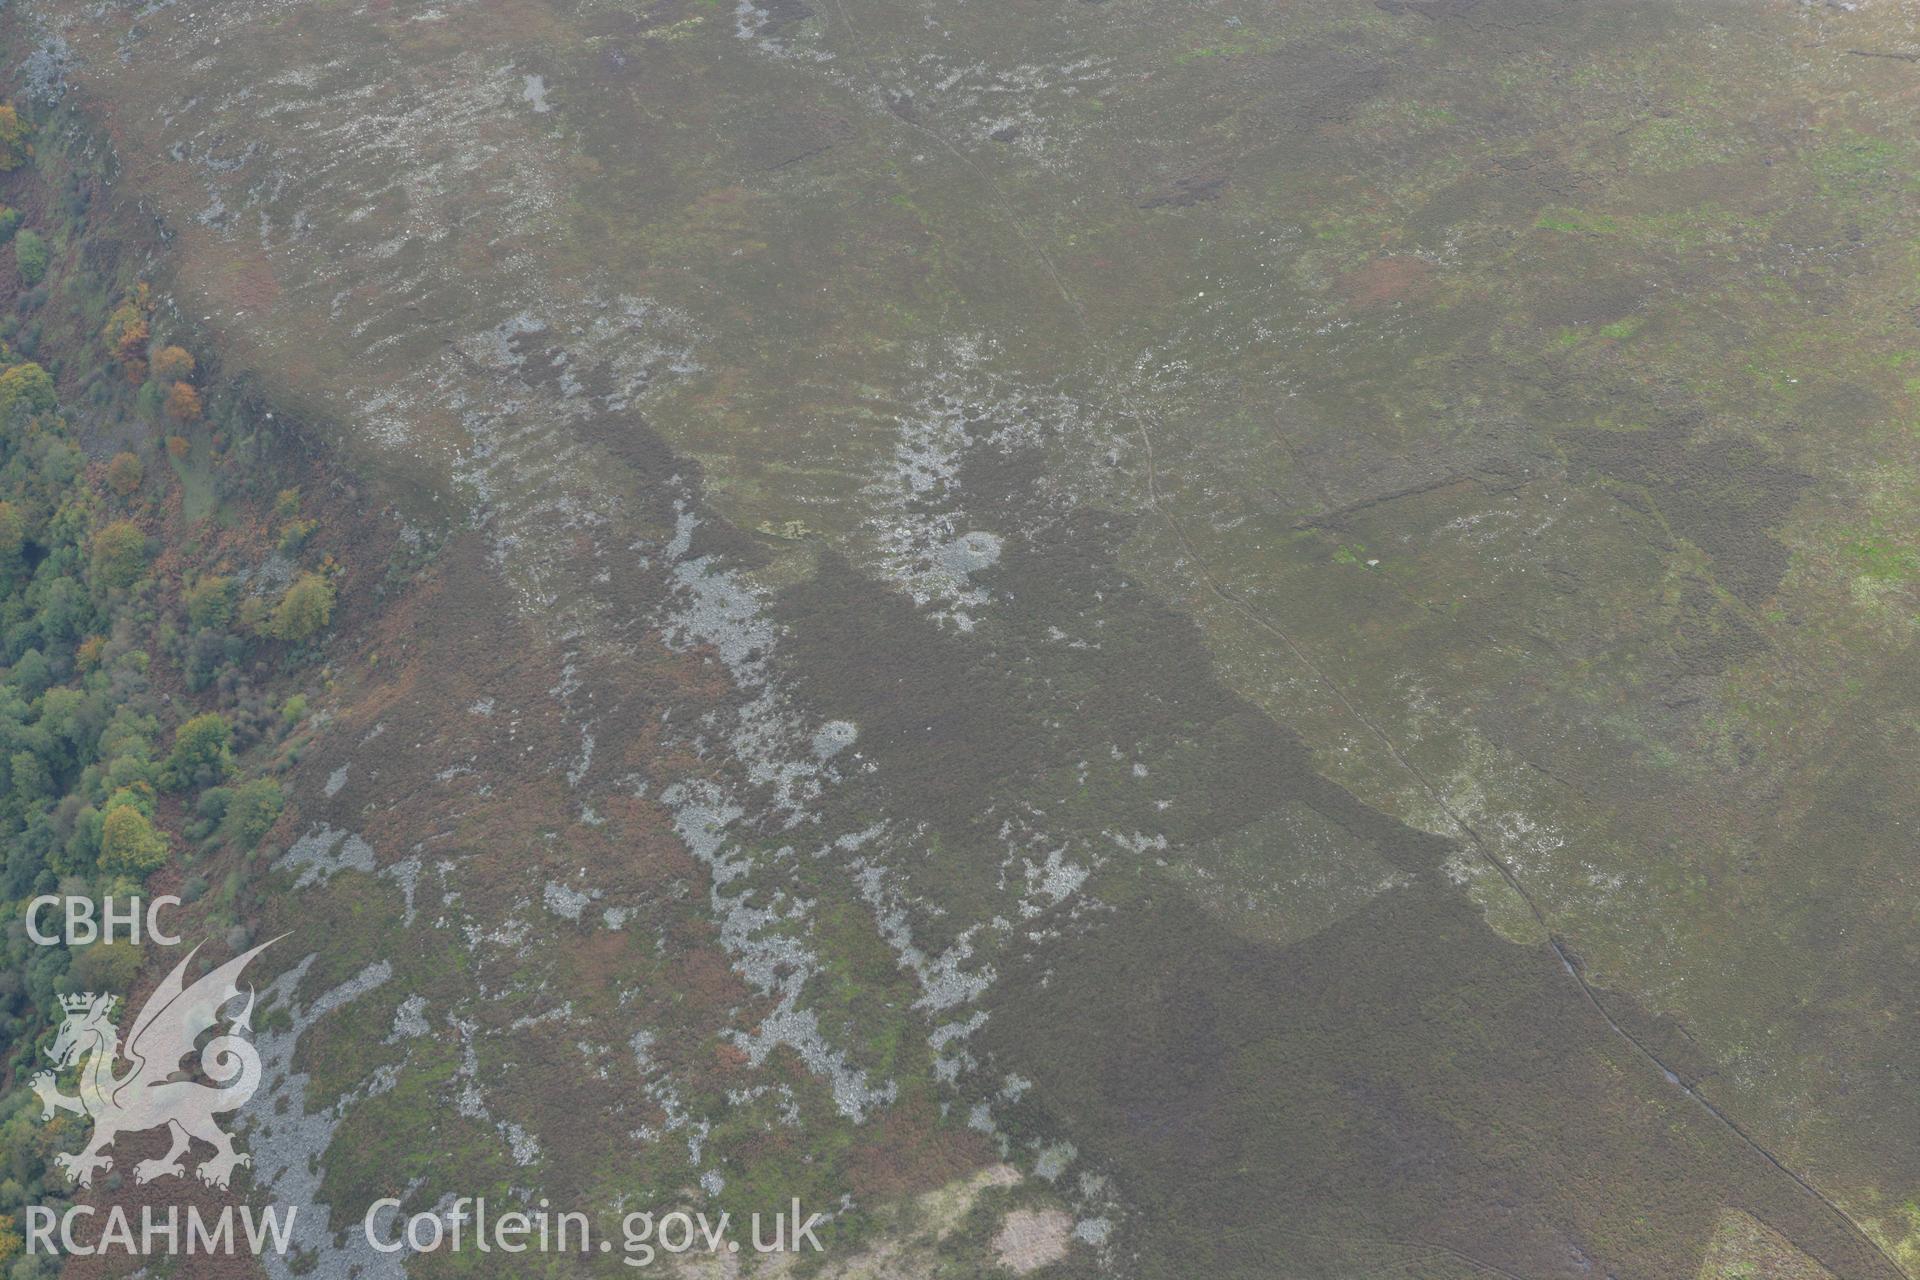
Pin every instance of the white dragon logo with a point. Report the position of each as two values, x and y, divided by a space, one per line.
147 1095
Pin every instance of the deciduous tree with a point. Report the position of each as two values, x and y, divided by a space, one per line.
30 255
119 554
25 385
172 364
183 402
126 334
14 147
124 473
13 535
304 610
129 842
202 753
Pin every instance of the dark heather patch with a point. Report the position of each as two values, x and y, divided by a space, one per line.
1724 496
1315 84
1596 301
1148 687
1708 637
1402 1082
650 486
1822 884
940 714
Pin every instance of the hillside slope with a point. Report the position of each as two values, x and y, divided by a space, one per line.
1152 639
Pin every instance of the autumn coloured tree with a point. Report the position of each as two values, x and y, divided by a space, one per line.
172 364
94 661
183 402
126 334
124 473
304 610
129 842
